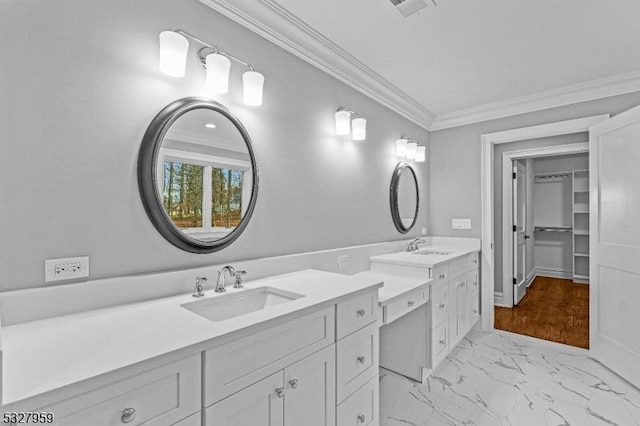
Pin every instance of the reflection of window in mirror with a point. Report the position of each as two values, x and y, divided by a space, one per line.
205 196
407 198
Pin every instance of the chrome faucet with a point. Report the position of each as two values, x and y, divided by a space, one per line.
220 284
413 245
198 291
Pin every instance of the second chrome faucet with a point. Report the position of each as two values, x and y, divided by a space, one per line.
233 273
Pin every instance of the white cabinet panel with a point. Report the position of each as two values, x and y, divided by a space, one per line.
361 408
357 359
261 404
310 390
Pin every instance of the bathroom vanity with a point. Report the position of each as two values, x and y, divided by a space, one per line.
430 301
307 353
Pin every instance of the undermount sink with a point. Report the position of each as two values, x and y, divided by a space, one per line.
234 305
432 252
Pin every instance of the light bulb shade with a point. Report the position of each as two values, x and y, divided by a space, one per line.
421 154
359 129
401 147
343 122
411 150
252 84
218 67
173 53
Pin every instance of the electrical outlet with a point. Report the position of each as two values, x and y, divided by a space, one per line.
66 268
423 231
343 261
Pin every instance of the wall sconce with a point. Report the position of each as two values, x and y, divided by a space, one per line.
345 125
174 47
408 148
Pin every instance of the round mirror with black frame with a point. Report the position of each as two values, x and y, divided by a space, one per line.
197 175
404 197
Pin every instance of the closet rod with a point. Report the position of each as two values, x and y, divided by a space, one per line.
553 175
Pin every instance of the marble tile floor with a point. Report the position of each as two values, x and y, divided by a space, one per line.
504 379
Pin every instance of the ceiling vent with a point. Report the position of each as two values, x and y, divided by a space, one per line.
407 8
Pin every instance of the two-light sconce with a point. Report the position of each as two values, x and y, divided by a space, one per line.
408 148
345 125
174 47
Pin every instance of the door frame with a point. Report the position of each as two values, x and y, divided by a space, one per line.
507 202
488 141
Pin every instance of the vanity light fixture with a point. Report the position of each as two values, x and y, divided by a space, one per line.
345 125
401 147
174 46
421 154
411 150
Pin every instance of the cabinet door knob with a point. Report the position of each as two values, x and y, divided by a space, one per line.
362 418
361 312
410 303
441 306
442 276
475 311
280 392
442 342
293 383
361 359
128 414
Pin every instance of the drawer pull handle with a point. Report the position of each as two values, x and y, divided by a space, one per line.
442 342
280 392
362 418
128 414
361 359
475 284
361 312
293 383
411 303
441 306
442 276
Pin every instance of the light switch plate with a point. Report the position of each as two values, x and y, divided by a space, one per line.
460 223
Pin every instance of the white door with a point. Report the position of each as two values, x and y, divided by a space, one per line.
614 147
261 404
310 390
519 229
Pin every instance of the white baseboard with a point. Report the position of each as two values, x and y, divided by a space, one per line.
553 273
532 276
497 298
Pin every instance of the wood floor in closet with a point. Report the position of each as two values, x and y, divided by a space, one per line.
553 309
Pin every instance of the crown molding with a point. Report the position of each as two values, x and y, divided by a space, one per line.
583 92
274 23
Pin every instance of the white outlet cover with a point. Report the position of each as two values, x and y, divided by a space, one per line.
460 223
343 261
67 268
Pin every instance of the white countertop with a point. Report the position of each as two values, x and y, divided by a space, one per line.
45 355
394 286
417 260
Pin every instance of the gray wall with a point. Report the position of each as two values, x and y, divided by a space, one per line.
79 84
455 162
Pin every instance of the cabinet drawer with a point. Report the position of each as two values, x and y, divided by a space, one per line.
462 264
405 304
353 314
361 408
473 281
236 365
357 360
158 397
439 305
439 275
439 343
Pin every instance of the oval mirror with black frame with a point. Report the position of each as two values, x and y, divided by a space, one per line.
197 175
404 197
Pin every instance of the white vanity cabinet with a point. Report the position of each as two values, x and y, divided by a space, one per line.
314 370
455 304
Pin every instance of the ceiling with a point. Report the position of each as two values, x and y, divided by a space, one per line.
463 60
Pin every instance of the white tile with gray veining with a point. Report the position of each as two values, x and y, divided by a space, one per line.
510 380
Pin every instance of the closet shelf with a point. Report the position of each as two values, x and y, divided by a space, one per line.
581 254
581 232
557 175
553 229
